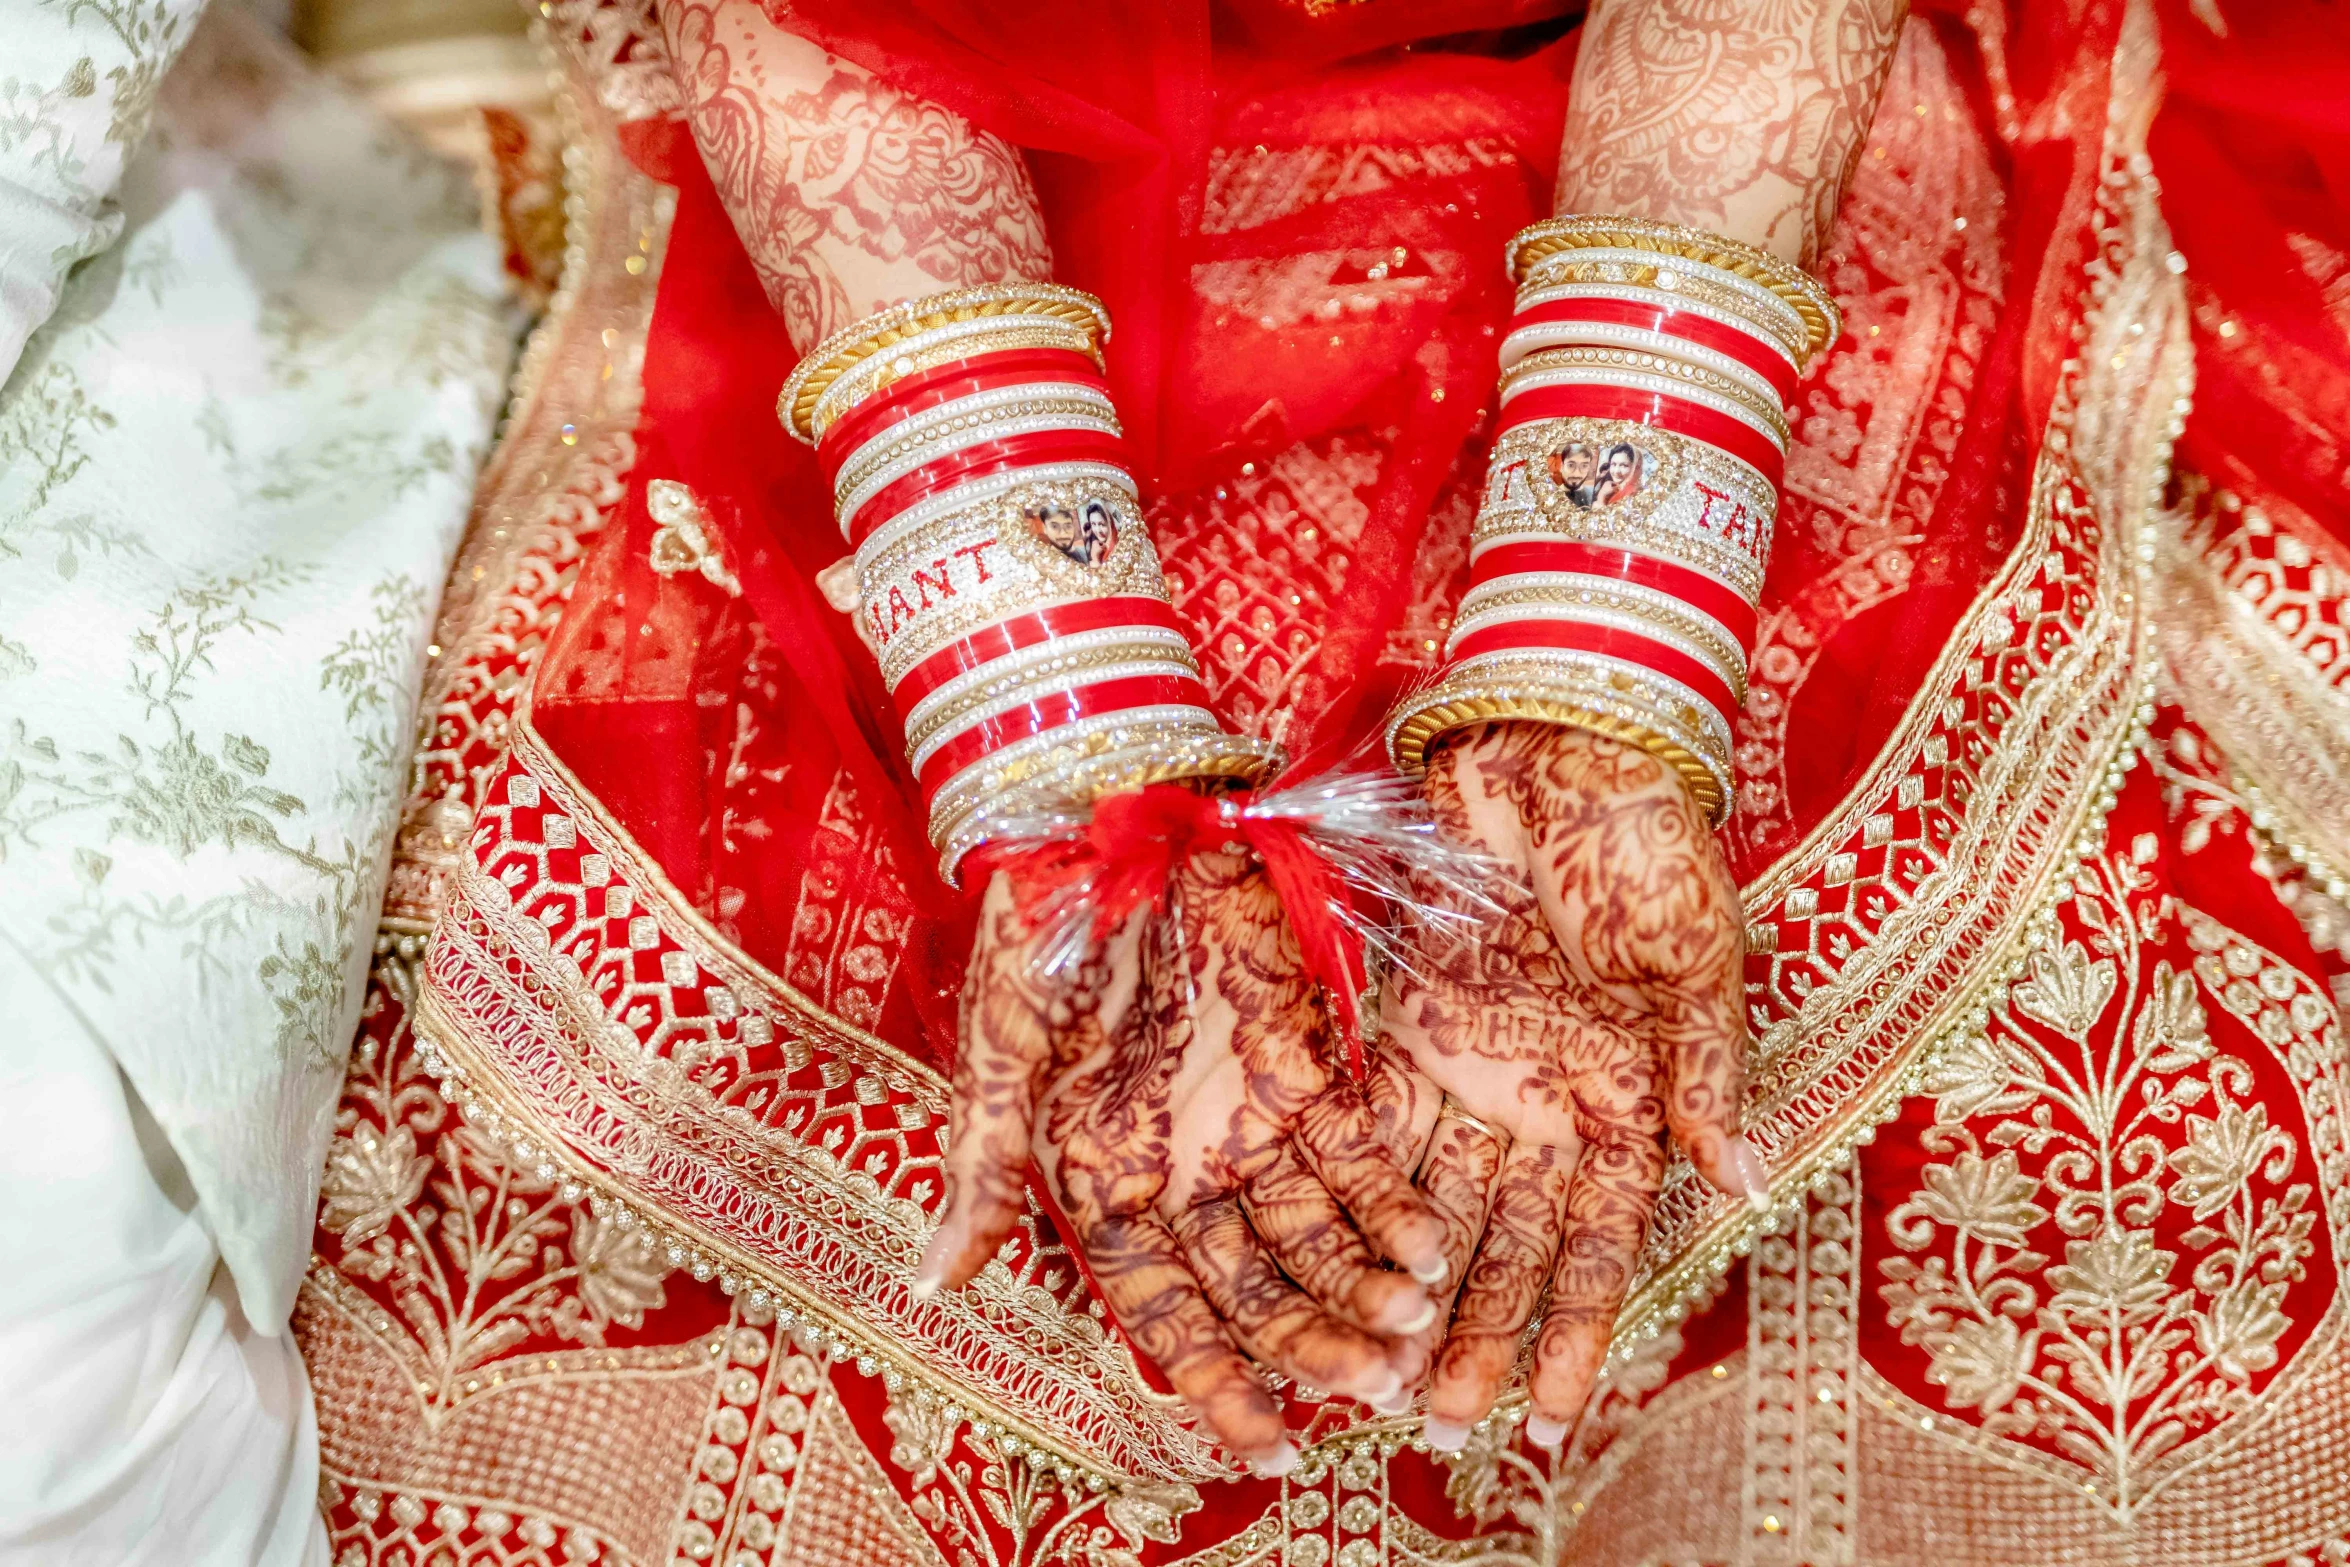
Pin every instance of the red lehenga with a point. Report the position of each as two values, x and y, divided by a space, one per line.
2043 813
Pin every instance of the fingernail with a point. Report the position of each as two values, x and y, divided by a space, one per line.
1431 1275
931 1272
1398 1402
1545 1432
1419 1320
1276 1463
1382 1391
1753 1179
1446 1436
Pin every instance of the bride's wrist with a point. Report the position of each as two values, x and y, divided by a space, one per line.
1004 576
1621 541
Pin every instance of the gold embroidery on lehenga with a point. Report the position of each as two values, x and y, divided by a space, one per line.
2123 1350
2102 1410
1256 565
1803 1297
2251 636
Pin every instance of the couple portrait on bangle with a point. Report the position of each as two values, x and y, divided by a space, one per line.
1590 474
1086 533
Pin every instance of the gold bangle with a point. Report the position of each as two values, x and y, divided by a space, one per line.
861 340
1803 293
937 344
1544 689
1072 771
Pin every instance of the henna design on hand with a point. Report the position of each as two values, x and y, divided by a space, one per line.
1744 120
1504 1283
1615 1187
848 194
1174 1088
1645 911
1598 1009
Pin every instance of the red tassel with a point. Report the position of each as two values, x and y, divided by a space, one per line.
1138 840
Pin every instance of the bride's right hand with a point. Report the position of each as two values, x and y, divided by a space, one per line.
1533 1068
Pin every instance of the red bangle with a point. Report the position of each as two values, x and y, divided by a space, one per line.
1052 709
1608 641
926 389
1007 637
1709 595
1753 351
1677 414
977 461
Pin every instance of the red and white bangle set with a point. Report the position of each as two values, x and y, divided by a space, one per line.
1620 543
1004 575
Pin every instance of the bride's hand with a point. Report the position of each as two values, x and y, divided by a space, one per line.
1541 1060
1177 1096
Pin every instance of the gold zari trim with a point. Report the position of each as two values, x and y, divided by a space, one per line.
2283 726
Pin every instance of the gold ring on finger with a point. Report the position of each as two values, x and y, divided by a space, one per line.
1451 1110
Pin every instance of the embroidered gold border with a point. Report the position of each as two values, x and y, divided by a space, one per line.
2284 731
869 1241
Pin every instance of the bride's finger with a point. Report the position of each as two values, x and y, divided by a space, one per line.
1271 1317
1143 1279
1340 1139
1300 1223
1404 1104
1004 1046
1614 1189
1463 1161
1512 1264
1464 1158
1698 1030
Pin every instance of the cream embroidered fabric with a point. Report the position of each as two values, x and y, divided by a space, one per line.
77 83
233 468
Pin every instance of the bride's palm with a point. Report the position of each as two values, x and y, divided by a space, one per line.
1537 1064
1187 1125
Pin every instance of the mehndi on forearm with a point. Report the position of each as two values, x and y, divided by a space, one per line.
849 194
1741 119
960 413
1663 324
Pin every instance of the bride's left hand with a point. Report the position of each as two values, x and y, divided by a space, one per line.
1177 1097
